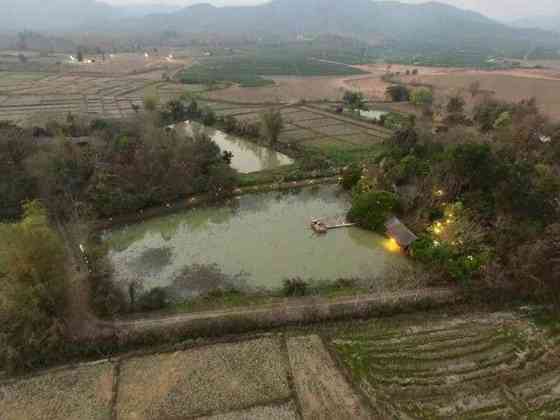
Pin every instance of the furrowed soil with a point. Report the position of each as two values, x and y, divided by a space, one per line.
425 365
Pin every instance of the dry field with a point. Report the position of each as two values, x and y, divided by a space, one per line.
290 90
416 366
311 125
25 98
511 87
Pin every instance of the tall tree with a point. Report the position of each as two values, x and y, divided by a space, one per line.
272 124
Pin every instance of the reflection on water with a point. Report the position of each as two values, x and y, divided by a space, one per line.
247 156
372 114
258 239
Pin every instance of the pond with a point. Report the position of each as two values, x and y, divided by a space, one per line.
372 115
248 157
254 242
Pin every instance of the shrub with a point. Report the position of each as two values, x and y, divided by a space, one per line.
32 291
156 299
351 176
294 287
151 103
398 93
354 100
372 209
422 96
208 116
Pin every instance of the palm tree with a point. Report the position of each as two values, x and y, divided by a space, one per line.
272 124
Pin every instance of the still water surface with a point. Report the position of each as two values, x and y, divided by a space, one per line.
254 242
247 156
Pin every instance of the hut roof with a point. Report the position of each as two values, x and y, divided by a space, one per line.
398 231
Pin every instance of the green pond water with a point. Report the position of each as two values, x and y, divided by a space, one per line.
254 242
247 156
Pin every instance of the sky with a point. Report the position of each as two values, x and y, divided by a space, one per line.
499 9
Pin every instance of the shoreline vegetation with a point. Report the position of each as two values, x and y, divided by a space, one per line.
475 193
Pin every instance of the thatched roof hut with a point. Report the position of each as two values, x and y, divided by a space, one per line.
400 233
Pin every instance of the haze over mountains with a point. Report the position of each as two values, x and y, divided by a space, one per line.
429 25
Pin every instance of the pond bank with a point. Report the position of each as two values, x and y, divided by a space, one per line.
254 243
203 199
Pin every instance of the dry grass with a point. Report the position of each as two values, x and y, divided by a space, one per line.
322 389
80 394
190 383
275 412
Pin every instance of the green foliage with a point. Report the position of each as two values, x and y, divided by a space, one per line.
351 176
32 291
487 113
354 100
421 96
155 300
208 117
247 69
294 287
174 111
398 93
503 121
442 256
371 210
395 121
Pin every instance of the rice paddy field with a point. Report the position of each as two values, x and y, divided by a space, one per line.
312 126
28 96
461 365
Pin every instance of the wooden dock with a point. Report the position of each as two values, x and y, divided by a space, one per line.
324 225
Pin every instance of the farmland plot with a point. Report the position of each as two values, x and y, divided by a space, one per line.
493 367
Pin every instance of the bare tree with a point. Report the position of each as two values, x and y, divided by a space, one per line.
272 124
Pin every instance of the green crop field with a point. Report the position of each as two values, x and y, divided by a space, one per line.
248 69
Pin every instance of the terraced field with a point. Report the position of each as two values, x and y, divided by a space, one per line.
488 367
311 126
416 366
57 95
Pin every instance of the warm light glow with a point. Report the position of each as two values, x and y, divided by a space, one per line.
391 245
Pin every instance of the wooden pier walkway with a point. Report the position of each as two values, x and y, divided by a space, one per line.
323 225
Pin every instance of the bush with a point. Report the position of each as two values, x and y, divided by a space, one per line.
351 176
398 93
294 287
422 96
155 300
354 100
32 291
372 209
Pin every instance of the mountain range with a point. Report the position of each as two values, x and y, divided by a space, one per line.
548 23
418 26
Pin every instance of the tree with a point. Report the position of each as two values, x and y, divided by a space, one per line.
541 264
398 93
80 55
422 97
32 290
371 210
272 124
354 100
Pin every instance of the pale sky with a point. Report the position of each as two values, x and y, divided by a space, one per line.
501 9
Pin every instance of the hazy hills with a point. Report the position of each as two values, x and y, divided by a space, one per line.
548 23
418 27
